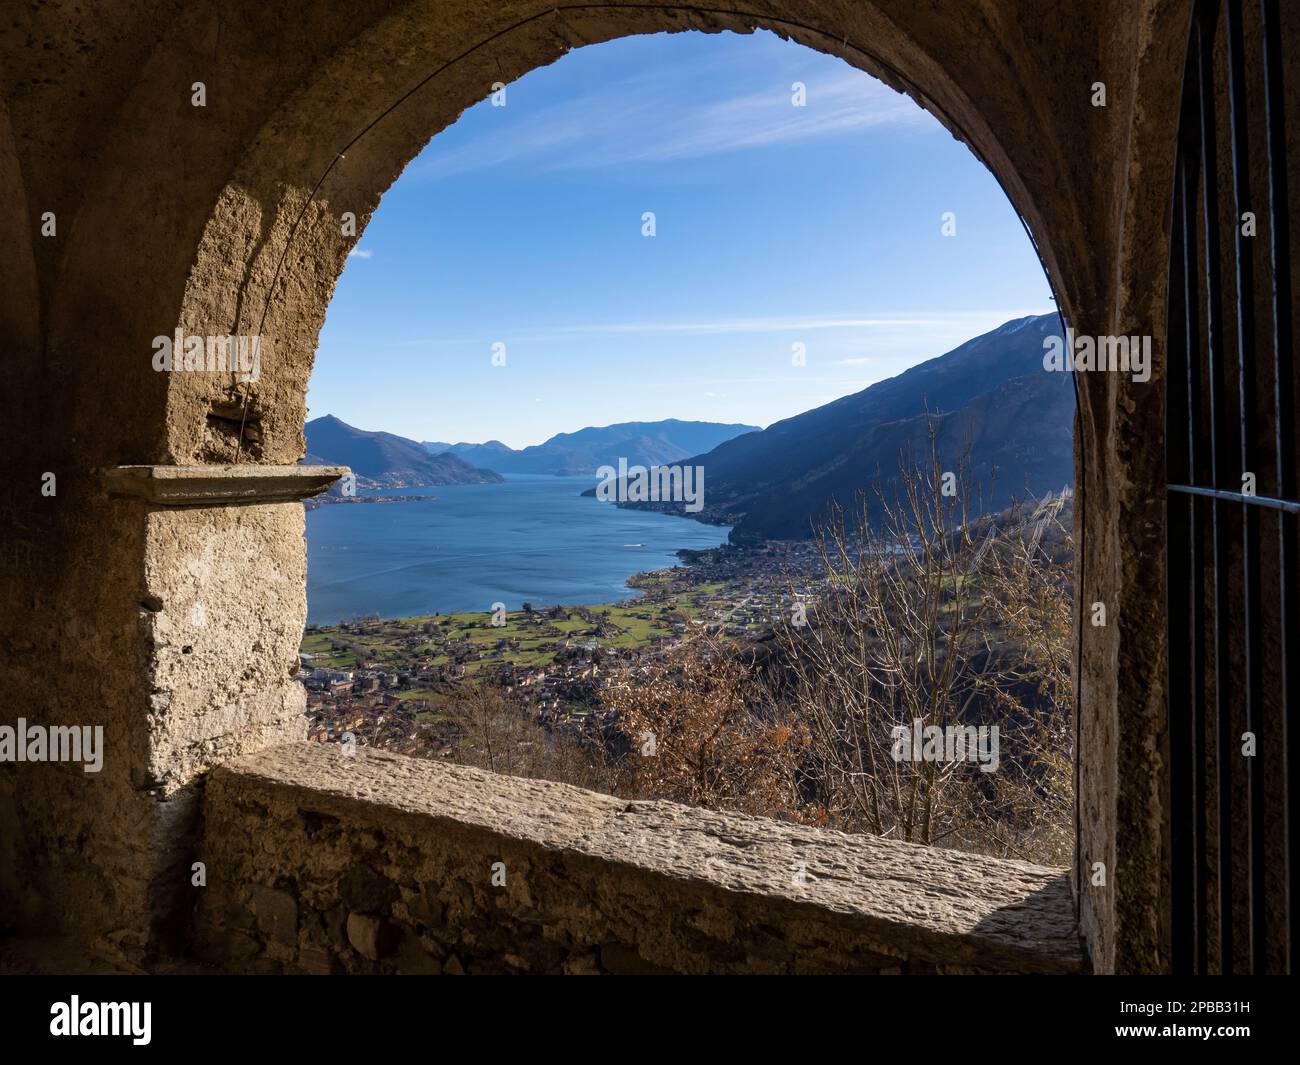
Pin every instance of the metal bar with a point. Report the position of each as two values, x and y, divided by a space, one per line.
1290 506
1220 447
1253 673
1284 385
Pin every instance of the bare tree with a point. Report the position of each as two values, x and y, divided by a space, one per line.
1030 590
700 732
898 639
934 618
499 735
496 733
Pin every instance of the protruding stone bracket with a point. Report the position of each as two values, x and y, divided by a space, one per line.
199 486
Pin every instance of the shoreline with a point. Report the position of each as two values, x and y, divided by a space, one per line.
637 594
601 563
734 591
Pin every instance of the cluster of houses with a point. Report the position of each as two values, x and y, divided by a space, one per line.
386 727
562 692
736 593
333 682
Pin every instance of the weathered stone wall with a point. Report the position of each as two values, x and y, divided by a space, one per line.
182 668
222 676
317 862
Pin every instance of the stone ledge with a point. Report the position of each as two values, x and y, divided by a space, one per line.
864 897
180 486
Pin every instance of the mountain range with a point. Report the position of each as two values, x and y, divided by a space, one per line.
990 398
583 452
390 461
385 460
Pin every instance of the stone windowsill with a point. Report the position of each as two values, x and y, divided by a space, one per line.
603 857
216 485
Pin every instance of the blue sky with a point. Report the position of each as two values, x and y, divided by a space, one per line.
776 225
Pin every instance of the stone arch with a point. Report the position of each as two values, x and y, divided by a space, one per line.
272 248
983 69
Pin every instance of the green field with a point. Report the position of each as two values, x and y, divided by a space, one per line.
525 640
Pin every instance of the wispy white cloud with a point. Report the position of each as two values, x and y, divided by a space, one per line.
651 119
360 253
962 324
854 101
795 324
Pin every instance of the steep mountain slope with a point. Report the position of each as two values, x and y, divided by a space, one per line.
1020 441
387 460
991 394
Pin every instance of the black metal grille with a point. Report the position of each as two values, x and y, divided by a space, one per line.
1232 544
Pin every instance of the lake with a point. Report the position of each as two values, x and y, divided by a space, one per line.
534 539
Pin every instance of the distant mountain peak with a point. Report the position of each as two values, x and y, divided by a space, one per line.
583 451
1017 324
387 460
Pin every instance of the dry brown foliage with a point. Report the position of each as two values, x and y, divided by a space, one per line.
498 735
701 733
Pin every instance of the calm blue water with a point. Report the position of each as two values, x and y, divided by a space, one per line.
533 539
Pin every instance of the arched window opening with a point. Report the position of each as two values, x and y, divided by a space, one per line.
795 335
